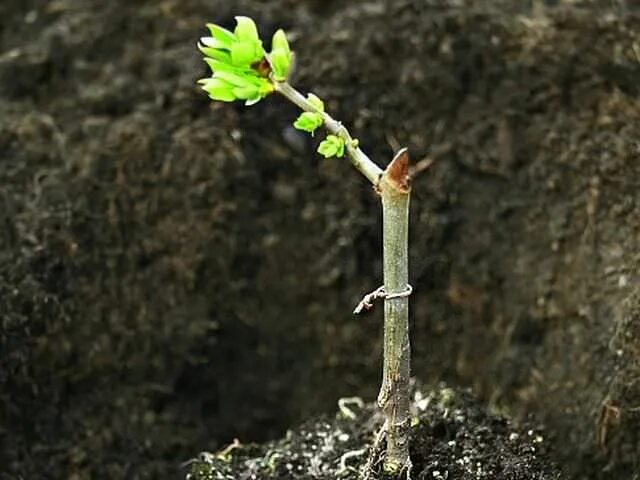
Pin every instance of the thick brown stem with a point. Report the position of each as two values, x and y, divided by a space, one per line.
394 394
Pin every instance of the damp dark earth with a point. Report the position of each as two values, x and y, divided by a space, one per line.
177 277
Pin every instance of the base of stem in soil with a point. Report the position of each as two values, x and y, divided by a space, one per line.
453 437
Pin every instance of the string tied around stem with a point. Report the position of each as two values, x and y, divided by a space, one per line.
380 293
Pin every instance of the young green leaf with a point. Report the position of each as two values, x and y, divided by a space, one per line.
308 122
243 53
332 146
238 79
246 92
316 102
218 89
279 41
246 30
280 64
280 56
215 54
263 88
222 66
221 34
214 43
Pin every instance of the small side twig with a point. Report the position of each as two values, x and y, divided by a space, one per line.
420 167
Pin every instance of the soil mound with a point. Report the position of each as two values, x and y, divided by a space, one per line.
452 437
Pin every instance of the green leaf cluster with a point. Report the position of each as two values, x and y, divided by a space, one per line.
235 59
332 146
241 70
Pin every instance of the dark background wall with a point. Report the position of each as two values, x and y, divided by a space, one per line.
174 273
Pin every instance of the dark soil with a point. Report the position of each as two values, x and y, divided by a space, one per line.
175 274
452 438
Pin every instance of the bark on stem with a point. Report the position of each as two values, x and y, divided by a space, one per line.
394 393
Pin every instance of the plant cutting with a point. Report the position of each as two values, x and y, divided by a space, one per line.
241 69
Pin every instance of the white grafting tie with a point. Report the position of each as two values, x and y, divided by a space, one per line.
367 301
